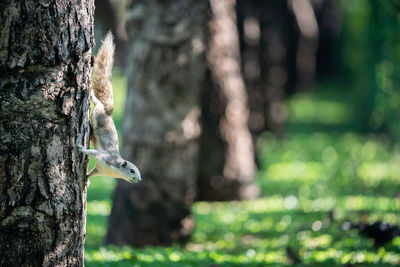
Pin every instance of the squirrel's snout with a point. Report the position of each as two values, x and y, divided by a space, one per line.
134 179
138 177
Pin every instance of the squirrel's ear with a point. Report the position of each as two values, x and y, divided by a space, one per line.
124 164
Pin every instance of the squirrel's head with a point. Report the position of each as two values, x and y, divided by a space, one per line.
130 172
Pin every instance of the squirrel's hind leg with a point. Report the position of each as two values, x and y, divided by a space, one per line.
93 172
94 98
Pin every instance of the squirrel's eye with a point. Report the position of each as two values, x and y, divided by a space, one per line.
124 164
132 170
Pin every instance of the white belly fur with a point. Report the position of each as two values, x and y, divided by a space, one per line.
108 170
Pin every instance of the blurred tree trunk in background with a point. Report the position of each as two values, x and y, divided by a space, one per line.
160 127
281 45
226 165
108 17
329 20
44 110
306 57
268 43
317 24
249 40
277 40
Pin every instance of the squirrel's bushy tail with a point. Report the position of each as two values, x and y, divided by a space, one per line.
102 86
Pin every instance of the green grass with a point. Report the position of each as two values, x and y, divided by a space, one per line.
311 182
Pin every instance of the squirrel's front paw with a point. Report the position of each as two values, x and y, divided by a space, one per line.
80 147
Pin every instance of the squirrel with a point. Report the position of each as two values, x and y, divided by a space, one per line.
103 133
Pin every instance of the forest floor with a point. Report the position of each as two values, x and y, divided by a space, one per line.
321 175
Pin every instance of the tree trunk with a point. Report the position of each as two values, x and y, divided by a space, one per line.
329 19
276 27
45 69
306 58
226 165
268 44
248 21
108 18
160 127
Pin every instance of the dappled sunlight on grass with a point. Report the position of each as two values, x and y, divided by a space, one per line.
305 171
374 173
176 256
257 232
101 208
98 209
309 109
335 164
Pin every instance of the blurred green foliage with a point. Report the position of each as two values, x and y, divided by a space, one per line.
312 181
371 55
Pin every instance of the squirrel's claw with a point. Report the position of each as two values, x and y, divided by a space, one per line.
80 147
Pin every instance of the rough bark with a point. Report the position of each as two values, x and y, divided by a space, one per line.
45 78
226 165
160 126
